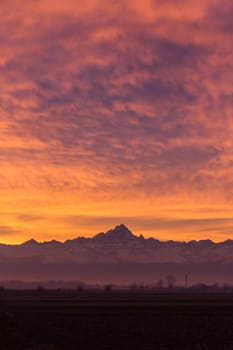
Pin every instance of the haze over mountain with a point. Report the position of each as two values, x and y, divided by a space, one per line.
117 255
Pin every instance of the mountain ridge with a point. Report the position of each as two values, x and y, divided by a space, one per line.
120 232
117 255
121 245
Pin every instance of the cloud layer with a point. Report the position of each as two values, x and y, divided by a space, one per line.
115 107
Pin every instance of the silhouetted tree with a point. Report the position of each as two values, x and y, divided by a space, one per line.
171 280
108 287
40 288
80 287
133 286
160 284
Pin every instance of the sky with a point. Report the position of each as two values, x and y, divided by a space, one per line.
116 111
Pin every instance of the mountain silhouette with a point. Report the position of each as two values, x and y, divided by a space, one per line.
30 242
116 250
119 233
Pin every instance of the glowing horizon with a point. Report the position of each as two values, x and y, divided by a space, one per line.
116 112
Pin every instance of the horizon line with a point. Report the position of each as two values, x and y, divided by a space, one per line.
112 229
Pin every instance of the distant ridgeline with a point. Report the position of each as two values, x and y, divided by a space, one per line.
118 256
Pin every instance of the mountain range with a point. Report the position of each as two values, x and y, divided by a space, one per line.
118 255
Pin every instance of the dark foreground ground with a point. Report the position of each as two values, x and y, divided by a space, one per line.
115 320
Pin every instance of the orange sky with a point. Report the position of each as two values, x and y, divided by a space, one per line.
116 112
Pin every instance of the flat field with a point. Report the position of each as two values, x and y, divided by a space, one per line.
49 320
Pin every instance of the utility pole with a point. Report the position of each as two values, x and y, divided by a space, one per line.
186 280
